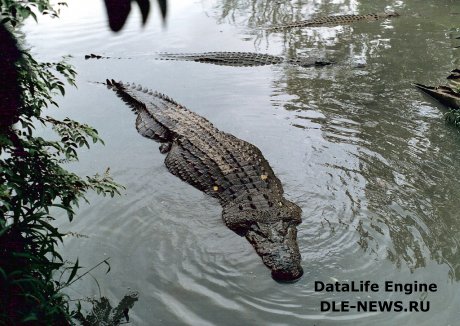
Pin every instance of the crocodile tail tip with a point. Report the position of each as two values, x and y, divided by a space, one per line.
112 83
387 14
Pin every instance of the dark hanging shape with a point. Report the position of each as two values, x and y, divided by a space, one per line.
163 7
117 12
144 6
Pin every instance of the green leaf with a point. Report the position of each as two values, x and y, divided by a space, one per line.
108 266
74 272
31 317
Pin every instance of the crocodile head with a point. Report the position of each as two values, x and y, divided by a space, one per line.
273 234
387 14
309 62
276 244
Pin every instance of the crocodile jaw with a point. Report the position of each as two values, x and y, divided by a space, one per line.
276 244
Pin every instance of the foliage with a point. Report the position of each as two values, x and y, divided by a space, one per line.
14 11
103 314
453 117
34 184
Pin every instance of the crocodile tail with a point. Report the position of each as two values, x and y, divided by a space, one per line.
136 97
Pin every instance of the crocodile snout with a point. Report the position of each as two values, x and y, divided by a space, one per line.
276 244
290 276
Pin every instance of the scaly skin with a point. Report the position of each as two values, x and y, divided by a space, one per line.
233 59
242 59
335 20
227 168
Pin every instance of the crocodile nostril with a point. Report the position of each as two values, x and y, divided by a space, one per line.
287 276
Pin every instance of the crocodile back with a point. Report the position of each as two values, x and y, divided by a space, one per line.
242 59
335 20
213 161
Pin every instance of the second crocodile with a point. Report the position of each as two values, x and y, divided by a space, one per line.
234 59
334 20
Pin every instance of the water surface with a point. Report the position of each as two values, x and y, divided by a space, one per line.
369 159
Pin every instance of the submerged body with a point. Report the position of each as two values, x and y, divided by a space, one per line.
227 168
233 59
242 59
335 20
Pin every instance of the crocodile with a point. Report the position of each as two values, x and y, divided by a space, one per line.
446 95
234 59
227 168
335 20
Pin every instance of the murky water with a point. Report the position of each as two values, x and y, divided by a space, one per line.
368 158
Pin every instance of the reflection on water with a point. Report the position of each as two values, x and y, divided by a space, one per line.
402 168
369 159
